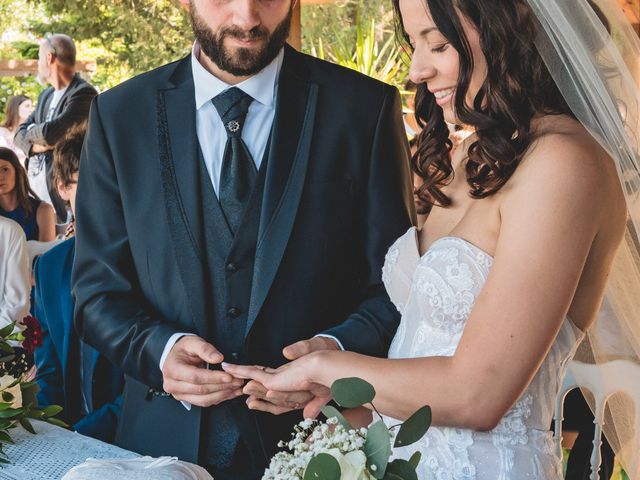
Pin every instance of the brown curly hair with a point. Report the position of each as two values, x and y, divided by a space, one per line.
517 87
66 155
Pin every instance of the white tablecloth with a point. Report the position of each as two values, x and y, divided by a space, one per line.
52 452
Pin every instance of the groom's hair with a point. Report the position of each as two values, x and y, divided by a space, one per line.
66 155
517 87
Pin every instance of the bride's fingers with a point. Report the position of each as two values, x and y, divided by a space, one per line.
281 398
247 372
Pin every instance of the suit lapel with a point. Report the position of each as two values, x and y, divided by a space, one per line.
178 149
66 95
286 171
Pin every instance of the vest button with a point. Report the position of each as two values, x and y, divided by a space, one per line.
231 267
234 312
235 355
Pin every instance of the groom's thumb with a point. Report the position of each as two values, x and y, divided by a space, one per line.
298 349
204 350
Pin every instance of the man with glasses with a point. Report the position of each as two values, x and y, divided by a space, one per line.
65 103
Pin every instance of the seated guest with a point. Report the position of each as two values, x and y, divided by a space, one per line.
19 107
15 273
19 203
15 289
71 373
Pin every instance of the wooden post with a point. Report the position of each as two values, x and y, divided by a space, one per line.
295 36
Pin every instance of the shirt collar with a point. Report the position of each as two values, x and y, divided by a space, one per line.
261 86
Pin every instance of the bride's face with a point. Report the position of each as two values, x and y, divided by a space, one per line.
435 62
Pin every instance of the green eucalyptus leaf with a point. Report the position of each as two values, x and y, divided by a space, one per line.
5 438
415 460
6 330
4 406
323 467
35 414
56 421
352 392
7 397
5 347
402 469
7 358
414 428
26 424
330 412
52 410
10 412
377 448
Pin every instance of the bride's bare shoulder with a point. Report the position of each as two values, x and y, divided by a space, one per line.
563 149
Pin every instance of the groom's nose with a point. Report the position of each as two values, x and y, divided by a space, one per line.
246 14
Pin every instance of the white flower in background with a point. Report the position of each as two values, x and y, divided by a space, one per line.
7 380
353 465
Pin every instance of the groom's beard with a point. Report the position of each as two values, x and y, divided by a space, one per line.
240 62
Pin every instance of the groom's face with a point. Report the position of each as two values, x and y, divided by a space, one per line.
241 36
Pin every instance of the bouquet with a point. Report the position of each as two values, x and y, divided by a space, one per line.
17 395
334 450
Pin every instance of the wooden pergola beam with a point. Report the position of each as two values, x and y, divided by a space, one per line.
16 68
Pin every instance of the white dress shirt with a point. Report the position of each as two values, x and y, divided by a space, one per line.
15 273
212 135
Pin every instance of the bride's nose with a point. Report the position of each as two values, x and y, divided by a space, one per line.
422 69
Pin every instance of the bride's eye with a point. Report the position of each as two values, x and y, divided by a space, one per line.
440 48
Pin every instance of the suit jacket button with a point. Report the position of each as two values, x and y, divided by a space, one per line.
234 312
235 355
231 267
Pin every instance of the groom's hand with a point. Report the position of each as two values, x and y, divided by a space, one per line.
278 403
187 378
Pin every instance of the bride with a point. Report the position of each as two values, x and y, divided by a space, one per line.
498 288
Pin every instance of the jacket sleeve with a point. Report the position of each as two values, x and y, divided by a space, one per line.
389 212
111 313
48 367
75 111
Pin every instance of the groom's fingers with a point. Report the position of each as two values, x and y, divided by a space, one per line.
256 389
312 409
193 346
176 387
195 375
305 347
211 399
256 404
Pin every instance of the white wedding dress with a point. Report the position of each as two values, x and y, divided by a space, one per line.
435 294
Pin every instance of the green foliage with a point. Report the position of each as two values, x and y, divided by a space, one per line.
358 35
124 37
414 428
377 448
352 392
355 392
322 467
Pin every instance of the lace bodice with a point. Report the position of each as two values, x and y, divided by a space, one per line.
435 294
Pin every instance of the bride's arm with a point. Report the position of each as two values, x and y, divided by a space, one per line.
550 216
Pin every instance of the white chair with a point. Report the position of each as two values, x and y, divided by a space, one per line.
616 376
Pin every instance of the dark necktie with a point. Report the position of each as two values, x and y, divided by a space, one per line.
238 169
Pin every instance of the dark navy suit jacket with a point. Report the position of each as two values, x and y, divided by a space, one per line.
59 385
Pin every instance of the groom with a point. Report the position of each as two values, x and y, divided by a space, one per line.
234 203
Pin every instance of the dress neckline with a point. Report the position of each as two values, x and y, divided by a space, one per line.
416 233
579 333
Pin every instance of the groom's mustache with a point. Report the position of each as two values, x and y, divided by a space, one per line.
256 33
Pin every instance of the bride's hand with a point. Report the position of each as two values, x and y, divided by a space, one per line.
287 388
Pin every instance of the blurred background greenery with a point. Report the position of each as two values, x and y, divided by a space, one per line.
127 37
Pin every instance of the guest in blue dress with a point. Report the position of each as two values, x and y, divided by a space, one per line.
19 203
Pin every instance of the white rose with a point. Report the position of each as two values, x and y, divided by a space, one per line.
353 465
7 380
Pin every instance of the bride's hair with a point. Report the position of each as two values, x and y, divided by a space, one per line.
518 86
